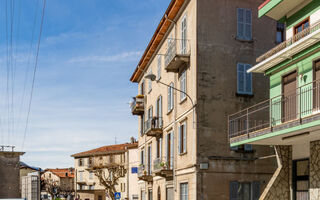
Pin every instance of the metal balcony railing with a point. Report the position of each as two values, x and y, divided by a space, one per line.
297 105
176 47
160 164
137 106
290 41
153 124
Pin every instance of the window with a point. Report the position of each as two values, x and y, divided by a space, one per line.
244 24
183 191
150 83
246 148
170 97
142 88
123 187
142 125
81 176
159 147
300 179
150 194
159 194
149 159
90 162
159 67
183 85
244 190
244 85
90 175
142 157
169 149
301 26
159 110
80 162
280 32
182 138
184 35
111 159
143 195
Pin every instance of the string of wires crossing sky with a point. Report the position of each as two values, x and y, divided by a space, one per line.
19 52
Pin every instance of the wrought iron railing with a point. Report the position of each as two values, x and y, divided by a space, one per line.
160 164
154 123
143 170
138 102
300 103
290 41
176 47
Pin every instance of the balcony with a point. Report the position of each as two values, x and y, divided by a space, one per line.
177 54
279 120
144 174
137 106
288 48
153 127
161 168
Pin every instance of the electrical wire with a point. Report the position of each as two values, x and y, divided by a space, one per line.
34 74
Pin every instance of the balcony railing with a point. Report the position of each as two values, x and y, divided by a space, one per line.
137 106
153 126
283 111
161 168
144 173
289 41
177 54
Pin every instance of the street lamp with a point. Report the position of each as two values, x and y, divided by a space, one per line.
153 77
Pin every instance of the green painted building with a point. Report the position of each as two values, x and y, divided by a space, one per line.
290 119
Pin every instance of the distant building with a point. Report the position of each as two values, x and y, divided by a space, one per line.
9 173
30 186
64 178
88 186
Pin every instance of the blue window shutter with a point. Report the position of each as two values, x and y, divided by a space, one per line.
184 138
241 80
240 23
255 189
248 81
179 139
248 24
234 187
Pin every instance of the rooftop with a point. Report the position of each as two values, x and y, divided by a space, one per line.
63 172
106 150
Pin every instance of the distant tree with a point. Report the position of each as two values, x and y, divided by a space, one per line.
109 175
51 187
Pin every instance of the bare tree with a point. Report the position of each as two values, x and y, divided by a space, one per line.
51 187
109 175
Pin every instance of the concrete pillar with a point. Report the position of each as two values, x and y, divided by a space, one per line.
279 185
314 170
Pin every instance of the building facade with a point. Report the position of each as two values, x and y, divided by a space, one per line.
289 119
62 177
88 186
9 173
191 75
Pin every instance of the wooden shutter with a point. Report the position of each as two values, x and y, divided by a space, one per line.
255 189
248 82
179 139
184 138
172 149
241 79
248 26
160 147
234 186
240 23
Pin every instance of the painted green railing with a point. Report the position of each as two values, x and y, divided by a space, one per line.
300 103
311 29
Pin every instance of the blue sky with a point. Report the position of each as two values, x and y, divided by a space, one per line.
88 52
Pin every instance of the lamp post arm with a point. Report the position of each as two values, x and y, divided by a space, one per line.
177 90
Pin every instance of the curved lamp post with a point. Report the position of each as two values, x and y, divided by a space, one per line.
153 77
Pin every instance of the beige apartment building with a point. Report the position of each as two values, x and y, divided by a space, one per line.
88 186
190 77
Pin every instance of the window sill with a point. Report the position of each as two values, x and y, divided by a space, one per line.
244 95
244 40
183 100
182 154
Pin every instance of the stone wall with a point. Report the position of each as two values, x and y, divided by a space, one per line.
279 185
315 170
